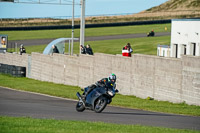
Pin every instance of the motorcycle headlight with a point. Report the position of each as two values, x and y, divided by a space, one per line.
111 93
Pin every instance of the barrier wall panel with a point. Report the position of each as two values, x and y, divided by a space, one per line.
86 70
191 80
71 70
142 81
102 66
122 68
168 79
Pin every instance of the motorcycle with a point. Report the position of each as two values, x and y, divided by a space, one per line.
96 100
152 33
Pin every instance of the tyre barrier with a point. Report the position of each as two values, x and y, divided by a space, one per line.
16 71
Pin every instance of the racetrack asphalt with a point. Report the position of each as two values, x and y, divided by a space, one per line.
20 103
95 38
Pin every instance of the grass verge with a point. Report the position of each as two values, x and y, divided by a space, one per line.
102 31
119 100
30 125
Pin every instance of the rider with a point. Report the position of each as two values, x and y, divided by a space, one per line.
105 82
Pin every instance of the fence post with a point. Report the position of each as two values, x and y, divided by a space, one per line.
16 47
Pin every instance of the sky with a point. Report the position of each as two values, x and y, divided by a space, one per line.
93 8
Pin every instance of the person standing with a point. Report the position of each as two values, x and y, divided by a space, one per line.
89 50
22 49
83 49
55 49
127 50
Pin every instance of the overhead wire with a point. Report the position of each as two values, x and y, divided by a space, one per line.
58 2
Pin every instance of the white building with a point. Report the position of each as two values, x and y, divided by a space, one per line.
163 50
185 37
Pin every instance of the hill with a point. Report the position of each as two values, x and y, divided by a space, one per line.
172 9
177 5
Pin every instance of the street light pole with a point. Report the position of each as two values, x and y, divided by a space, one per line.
82 26
72 46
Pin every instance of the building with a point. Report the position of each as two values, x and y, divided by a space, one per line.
163 50
185 37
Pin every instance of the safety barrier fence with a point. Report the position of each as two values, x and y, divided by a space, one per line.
16 71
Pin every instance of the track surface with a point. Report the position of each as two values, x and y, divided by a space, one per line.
18 103
96 38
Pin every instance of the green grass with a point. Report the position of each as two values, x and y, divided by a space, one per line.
147 45
67 91
30 125
102 31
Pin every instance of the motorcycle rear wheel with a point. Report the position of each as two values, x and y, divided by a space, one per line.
100 105
80 107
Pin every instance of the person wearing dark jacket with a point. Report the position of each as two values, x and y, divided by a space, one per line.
22 49
105 82
55 49
83 49
89 50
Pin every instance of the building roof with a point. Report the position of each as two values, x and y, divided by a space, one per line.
163 46
195 19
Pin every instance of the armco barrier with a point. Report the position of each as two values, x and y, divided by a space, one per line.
165 79
16 71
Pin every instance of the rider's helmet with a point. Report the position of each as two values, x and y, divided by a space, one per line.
112 78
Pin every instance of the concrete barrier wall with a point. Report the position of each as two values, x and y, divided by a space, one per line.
15 59
166 79
191 80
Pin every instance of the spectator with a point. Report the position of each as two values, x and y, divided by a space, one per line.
55 49
128 46
89 50
22 49
83 49
127 50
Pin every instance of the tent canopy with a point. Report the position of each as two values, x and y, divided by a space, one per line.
59 43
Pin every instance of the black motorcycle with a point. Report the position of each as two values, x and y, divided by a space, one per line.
151 33
96 100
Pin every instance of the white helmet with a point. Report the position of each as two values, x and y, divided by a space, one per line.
112 77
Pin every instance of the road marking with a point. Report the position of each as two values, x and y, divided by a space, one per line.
36 93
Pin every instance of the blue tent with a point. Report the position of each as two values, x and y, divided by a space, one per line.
59 43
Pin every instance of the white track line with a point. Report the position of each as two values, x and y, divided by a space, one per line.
36 93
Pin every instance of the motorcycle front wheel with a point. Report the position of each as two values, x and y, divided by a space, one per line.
100 104
80 106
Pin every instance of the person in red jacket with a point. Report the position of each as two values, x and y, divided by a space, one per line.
127 50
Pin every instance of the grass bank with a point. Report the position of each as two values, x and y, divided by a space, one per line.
102 31
30 125
120 100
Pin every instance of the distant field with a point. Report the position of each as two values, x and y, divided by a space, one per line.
103 31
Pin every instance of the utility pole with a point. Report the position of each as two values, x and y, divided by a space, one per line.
72 46
82 26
